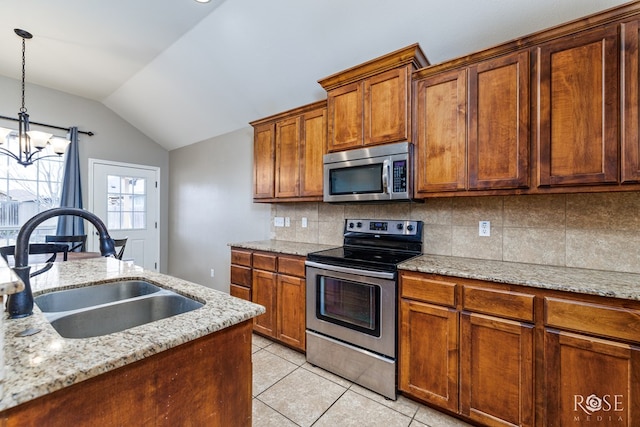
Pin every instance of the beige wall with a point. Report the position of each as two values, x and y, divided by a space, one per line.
599 231
211 193
114 139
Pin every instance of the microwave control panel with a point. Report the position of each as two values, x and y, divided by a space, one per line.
399 176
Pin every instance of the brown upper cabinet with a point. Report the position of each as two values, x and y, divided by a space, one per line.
472 130
577 113
630 150
557 111
264 150
370 104
498 145
288 150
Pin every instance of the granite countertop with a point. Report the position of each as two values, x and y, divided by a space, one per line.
580 280
42 363
282 246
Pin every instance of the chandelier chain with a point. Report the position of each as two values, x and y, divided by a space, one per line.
23 109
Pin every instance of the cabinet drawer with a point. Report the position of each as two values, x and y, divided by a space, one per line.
495 302
264 261
241 275
422 288
591 318
293 266
240 257
240 292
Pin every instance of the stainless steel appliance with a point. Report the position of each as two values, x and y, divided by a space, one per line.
352 301
377 173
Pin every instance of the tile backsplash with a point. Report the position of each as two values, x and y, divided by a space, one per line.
596 230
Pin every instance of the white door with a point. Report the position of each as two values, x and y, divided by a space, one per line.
125 197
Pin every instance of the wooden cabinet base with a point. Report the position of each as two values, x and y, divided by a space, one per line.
203 382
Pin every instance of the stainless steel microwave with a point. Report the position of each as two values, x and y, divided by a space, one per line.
382 172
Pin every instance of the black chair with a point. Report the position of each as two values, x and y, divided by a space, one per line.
120 243
76 243
38 249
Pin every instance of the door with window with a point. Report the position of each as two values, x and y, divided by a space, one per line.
125 197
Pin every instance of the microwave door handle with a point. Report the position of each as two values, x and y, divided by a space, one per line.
385 177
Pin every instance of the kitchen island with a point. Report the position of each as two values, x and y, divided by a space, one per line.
174 363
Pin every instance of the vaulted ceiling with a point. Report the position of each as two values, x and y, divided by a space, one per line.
183 72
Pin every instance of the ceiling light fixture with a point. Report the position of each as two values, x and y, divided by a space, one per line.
203 1
30 142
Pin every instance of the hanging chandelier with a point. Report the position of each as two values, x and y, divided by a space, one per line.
31 143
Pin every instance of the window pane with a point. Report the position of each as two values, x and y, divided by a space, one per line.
113 184
138 203
113 220
139 220
139 186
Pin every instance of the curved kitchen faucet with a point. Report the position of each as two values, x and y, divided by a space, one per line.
21 303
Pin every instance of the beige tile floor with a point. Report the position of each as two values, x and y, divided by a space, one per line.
289 392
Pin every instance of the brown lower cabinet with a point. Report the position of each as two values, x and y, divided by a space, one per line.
505 355
205 382
277 282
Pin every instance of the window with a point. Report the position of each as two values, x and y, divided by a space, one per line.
25 191
126 208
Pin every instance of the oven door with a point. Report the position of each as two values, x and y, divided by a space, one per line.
354 306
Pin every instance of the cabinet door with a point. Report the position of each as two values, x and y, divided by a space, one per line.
345 108
313 147
264 293
577 123
291 311
496 370
386 107
288 157
590 381
441 136
263 161
498 150
428 348
630 148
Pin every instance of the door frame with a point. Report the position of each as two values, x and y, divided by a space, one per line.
155 169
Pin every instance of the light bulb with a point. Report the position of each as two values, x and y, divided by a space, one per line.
39 139
4 133
59 144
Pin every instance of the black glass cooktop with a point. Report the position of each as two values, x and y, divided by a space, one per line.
372 258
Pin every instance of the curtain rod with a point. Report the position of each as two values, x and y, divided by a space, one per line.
46 125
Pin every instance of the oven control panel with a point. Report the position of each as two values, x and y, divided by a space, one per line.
378 226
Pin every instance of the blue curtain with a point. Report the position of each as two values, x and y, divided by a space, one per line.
71 189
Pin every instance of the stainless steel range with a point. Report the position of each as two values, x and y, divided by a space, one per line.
352 297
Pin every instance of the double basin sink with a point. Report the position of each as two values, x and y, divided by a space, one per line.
98 310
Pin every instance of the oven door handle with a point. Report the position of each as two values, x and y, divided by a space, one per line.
349 270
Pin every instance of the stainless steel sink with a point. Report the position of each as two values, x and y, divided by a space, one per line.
104 309
73 299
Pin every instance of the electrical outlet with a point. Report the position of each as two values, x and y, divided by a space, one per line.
213 273
287 222
304 222
484 228
278 221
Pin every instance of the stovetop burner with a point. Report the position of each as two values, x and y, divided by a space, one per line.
374 244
